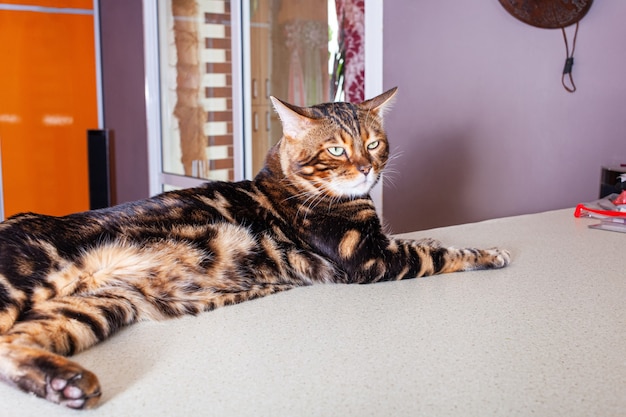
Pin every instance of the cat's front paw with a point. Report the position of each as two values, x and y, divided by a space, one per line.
499 258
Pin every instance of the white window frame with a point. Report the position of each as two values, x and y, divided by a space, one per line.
242 124
374 70
158 179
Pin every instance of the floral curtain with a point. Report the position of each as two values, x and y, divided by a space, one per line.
351 18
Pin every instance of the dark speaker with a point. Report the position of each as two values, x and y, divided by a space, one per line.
98 153
610 182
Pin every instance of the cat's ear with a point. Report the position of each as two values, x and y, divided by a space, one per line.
381 103
293 118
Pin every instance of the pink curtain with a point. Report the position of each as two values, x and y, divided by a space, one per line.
351 18
307 41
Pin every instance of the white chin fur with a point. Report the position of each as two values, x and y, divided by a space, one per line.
354 188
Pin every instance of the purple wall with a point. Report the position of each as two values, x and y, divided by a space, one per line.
482 127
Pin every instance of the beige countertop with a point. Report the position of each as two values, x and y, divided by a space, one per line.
544 337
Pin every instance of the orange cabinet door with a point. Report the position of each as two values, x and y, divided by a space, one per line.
48 100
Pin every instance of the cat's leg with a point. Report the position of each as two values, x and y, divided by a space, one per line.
205 299
437 259
31 352
403 259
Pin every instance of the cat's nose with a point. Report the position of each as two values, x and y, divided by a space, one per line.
364 169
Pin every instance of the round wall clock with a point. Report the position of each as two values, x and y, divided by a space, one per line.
548 14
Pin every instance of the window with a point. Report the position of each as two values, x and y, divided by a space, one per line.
211 66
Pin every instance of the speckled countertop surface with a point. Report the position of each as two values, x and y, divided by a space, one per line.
543 337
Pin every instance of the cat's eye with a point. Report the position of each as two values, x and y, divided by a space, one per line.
336 150
373 145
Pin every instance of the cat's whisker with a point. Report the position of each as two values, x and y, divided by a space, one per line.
306 206
396 154
391 172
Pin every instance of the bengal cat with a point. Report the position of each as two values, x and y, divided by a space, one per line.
69 282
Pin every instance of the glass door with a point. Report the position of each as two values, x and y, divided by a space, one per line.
295 56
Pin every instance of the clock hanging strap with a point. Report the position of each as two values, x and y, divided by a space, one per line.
569 61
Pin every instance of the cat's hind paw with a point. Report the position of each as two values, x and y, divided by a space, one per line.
54 378
73 389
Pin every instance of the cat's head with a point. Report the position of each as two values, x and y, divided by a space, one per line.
334 149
